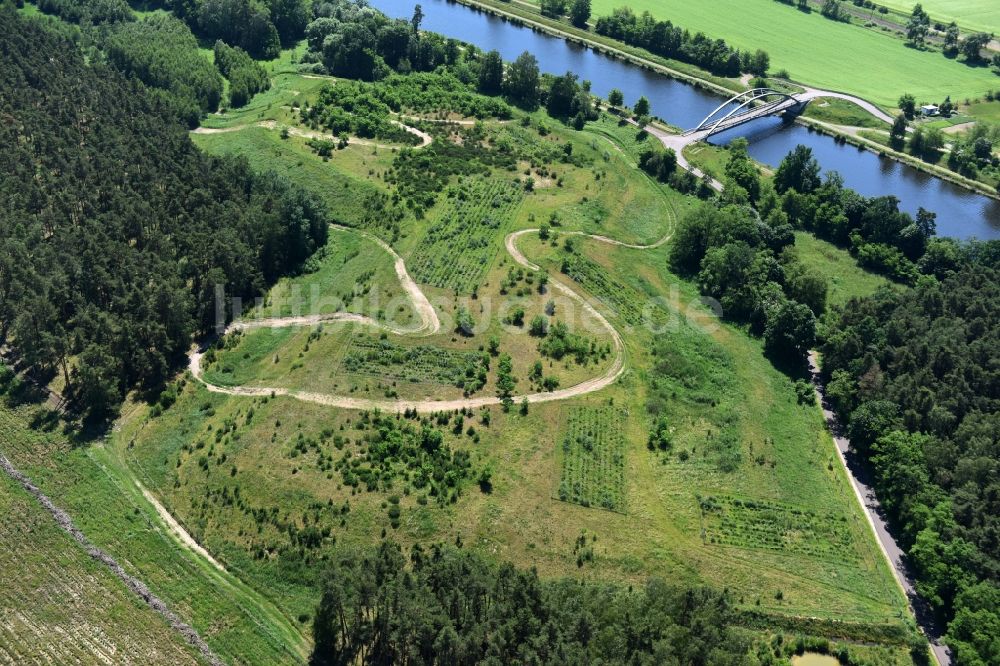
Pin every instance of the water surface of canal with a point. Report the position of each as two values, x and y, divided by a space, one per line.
961 213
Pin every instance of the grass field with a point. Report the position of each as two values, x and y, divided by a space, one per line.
59 605
988 111
982 15
823 53
352 274
842 112
847 280
272 486
722 398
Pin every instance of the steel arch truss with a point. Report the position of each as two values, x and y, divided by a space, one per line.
755 103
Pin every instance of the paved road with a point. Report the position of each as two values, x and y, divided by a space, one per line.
861 484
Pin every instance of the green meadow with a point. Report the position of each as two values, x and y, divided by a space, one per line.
983 15
272 484
823 53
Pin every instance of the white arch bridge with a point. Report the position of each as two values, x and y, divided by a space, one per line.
750 105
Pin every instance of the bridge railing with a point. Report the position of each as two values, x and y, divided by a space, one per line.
745 110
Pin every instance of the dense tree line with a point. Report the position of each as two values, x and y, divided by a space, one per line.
738 256
349 38
880 236
354 40
115 229
259 27
915 375
446 606
94 12
670 41
246 76
354 108
161 52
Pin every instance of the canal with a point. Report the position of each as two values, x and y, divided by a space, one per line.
961 213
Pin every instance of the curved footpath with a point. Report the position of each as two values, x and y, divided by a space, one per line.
425 138
429 324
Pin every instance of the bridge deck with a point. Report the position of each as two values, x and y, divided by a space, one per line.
771 108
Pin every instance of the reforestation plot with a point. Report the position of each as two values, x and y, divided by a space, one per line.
461 243
382 358
623 301
593 458
753 523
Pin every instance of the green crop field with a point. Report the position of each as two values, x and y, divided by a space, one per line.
747 523
981 15
59 605
823 53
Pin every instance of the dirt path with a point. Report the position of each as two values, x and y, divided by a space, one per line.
430 324
135 585
425 138
177 529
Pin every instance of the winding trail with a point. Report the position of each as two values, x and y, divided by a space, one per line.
429 325
425 138
429 322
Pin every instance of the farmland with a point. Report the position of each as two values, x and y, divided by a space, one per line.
983 15
823 53
61 606
752 524
94 487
